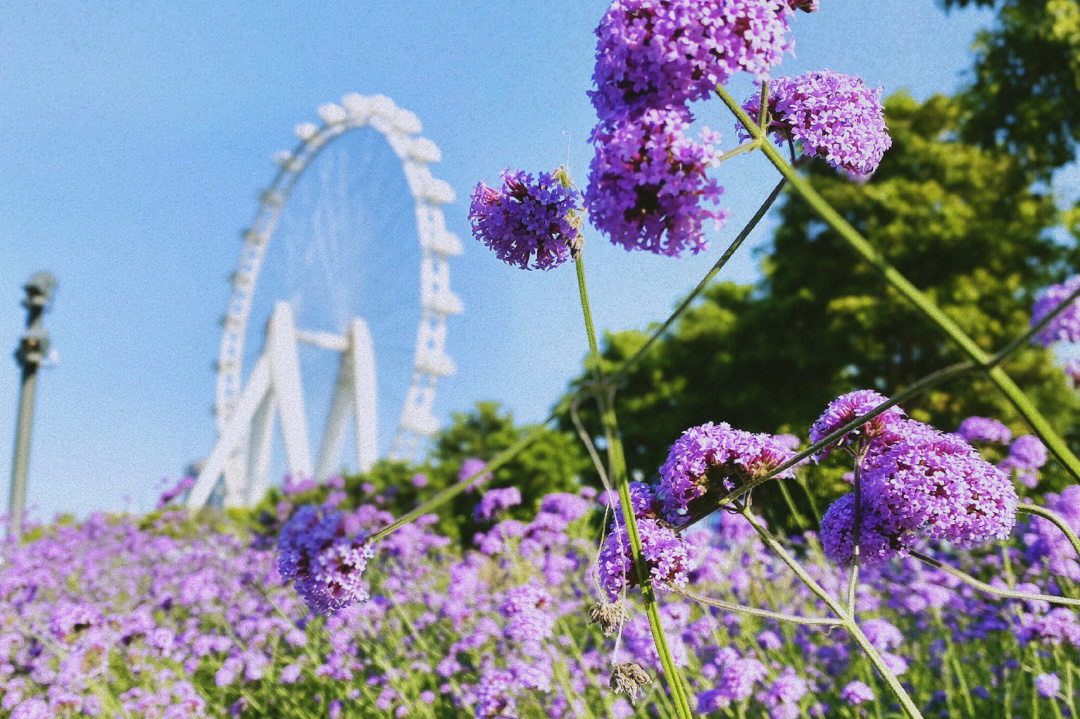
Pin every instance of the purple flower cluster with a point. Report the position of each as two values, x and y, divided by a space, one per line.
660 53
846 408
664 553
1026 456
1065 326
984 429
175 491
916 483
322 552
496 500
648 185
830 115
716 456
1047 545
531 223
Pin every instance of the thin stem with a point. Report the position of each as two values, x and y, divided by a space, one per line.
763 108
764 613
617 462
745 147
1023 339
848 622
984 587
853 581
901 284
629 364
1057 520
453 490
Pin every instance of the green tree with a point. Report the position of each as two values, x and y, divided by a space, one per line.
1025 88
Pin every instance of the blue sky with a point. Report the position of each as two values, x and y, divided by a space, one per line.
137 135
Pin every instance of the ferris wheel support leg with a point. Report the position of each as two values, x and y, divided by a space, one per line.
285 376
336 421
362 358
262 432
234 433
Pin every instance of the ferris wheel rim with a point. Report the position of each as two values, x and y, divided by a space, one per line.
401 130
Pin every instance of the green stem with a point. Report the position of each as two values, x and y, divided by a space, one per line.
984 587
1057 520
847 621
453 490
901 284
618 469
764 613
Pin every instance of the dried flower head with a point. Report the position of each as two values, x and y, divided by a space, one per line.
611 616
629 679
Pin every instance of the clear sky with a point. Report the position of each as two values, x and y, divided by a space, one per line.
137 134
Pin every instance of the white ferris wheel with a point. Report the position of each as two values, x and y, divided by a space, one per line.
329 266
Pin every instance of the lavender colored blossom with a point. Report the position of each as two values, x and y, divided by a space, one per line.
664 553
1065 326
838 534
1048 685
495 695
648 185
323 559
659 53
846 408
829 115
1047 544
1028 452
857 693
716 455
473 466
984 429
738 679
528 607
496 500
531 223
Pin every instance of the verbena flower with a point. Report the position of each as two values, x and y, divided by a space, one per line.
829 115
984 429
648 185
716 456
1026 456
657 53
664 553
846 408
857 693
496 500
529 609
1047 544
323 559
495 695
1065 327
531 223
929 485
1047 685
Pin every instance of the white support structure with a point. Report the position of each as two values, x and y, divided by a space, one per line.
274 393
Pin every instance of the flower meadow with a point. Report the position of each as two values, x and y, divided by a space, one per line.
940 582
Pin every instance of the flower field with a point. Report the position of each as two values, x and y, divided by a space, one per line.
167 617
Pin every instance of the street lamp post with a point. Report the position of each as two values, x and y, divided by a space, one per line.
32 350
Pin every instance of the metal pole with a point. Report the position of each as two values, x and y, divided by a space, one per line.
32 350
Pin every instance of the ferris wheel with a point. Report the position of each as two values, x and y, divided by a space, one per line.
346 264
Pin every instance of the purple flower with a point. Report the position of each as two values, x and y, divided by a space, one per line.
531 223
984 429
648 183
529 609
1047 685
715 455
322 559
1065 326
857 693
830 115
495 695
846 408
838 533
659 53
1028 452
663 551
739 677
33 708
473 466
496 500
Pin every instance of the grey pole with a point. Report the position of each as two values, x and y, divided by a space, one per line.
32 350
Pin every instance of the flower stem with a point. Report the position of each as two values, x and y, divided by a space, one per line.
901 284
617 462
847 621
989 589
1057 520
764 613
